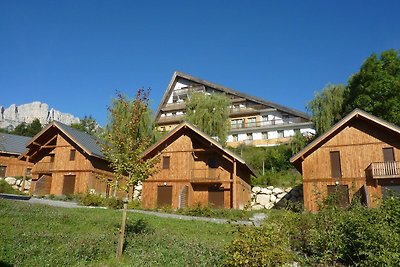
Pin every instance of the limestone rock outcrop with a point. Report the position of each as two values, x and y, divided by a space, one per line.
14 115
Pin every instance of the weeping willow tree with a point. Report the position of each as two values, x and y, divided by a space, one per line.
209 112
326 107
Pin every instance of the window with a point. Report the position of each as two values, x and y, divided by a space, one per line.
251 122
234 137
72 155
51 157
212 162
280 134
264 135
28 171
237 124
388 154
250 137
3 171
285 118
336 170
166 161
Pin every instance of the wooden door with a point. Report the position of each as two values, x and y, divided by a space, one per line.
164 196
388 158
69 184
216 198
340 193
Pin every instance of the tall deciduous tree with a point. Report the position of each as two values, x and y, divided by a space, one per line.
326 107
209 112
127 135
376 87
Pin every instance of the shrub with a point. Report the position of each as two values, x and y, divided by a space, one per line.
91 200
263 246
7 189
113 203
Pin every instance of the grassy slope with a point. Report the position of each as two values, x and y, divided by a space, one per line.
36 235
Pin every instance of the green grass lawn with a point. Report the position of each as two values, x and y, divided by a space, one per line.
37 235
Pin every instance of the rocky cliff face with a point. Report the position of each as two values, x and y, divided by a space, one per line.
14 115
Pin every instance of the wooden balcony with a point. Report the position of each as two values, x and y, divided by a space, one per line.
43 167
205 175
384 170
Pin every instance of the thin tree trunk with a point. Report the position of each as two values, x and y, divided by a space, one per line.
121 237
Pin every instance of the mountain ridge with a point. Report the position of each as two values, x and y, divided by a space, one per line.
14 115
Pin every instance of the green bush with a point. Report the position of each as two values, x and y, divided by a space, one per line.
113 203
263 246
334 236
7 189
91 200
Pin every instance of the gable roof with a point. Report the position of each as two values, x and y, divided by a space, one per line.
178 74
13 144
87 142
186 125
356 114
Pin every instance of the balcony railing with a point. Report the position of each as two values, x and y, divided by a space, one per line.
43 166
244 125
381 170
205 175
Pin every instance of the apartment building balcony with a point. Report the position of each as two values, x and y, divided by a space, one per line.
206 175
43 167
267 124
384 170
174 106
170 119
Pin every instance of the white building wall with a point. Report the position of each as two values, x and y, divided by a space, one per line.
257 136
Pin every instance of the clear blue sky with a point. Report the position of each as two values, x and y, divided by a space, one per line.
74 55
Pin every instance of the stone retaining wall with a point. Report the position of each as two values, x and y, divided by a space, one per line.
16 183
270 197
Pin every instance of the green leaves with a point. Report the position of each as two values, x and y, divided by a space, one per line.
128 133
210 113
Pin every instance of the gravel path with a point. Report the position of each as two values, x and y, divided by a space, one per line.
68 204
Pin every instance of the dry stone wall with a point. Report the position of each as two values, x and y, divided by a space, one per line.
16 183
270 197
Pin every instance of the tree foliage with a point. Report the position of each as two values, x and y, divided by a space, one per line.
30 129
127 135
326 107
88 125
376 87
210 113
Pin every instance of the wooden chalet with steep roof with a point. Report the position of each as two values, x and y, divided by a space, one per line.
11 146
360 155
66 161
254 121
194 169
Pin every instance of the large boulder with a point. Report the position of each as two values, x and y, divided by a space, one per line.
277 190
256 189
263 199
266 191
11 180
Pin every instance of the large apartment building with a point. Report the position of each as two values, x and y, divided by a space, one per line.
254 121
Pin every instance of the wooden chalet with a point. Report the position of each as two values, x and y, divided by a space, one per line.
195 169
360 155
11 146
66 161
254 121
